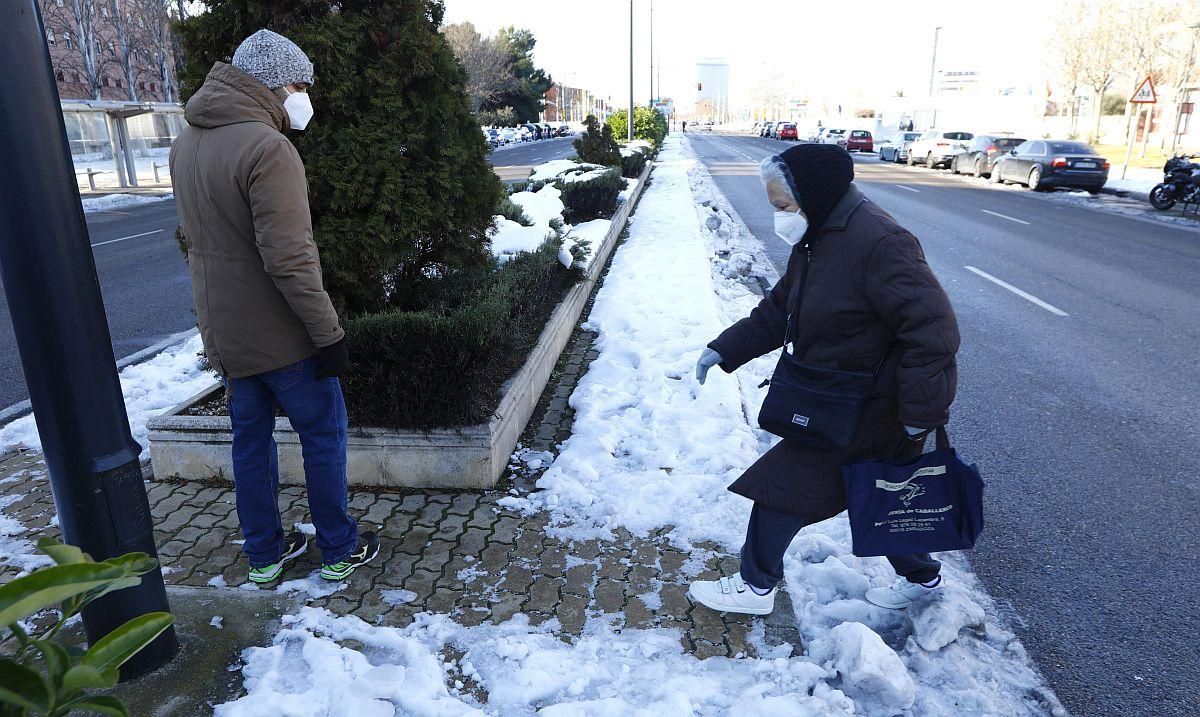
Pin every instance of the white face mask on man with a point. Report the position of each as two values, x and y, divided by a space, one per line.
791 226
299 109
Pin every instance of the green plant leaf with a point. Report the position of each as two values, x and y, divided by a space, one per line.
87 677
56 658
42 588
23 687
104 704
82 601
112 650
62 553
133 563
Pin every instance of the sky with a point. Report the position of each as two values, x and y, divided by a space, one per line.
870 48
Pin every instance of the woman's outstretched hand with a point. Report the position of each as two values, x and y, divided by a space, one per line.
708 359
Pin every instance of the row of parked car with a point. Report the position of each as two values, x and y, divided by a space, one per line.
528 132
859 140
1001 157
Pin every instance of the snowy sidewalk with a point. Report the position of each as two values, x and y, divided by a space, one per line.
564 593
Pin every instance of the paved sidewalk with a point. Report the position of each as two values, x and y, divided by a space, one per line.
460 553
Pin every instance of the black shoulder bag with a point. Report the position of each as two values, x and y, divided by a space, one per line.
819 407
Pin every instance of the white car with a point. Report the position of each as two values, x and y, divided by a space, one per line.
508 135
832 136
936 148
524 134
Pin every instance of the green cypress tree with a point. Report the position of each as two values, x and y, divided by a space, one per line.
400 188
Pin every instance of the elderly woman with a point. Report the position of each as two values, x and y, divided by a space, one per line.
867 302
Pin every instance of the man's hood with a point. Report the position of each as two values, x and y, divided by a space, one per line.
230 96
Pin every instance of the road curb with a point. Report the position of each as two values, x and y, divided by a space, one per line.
1126 193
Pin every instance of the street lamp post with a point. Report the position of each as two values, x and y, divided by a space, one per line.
933 72
62 334
630 123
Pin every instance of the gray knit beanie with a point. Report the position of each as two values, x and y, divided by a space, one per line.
273 60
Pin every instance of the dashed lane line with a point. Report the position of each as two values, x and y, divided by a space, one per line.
1023 294
907 189
131 236
1004 216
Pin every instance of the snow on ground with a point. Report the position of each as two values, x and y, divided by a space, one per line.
17 552
120 201
651 448
150 388
590 235
107 177
542 207
627 192
1137 179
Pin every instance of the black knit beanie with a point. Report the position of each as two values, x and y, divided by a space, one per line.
820 174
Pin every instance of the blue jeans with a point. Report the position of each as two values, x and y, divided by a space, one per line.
770 533
318 414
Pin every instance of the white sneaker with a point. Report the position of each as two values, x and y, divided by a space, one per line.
900 594
731 594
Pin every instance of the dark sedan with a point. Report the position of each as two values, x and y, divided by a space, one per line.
1042 164
978 157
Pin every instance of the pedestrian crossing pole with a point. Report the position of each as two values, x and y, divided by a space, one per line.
62 334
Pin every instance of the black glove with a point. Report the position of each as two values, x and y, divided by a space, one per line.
333 359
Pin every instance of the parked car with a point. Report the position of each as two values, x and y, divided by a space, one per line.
524 133
1042 164
787 130
860 140
754 128
832 136
895 149
765 129
936 148
564 130
508 135
492 136
548 130
983 150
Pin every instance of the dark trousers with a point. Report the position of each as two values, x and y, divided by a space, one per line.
318 413
770 533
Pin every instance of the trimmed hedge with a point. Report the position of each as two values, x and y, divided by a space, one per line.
632 164
443 367
591 199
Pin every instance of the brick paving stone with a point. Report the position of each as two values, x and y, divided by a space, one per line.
517 579
435 556
507 605
463 503
637 615
609 596
472 542
571 611
505 529
544 593
452 525
380 511
704 650
431 513
580 579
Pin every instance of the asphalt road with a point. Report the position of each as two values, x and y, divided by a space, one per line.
515 162
143 279
1081 411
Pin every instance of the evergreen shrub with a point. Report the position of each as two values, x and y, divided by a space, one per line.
632 163
596 145
648 124
513 212
444 367
593 198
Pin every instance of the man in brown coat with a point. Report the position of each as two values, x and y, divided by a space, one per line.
267 323
867 300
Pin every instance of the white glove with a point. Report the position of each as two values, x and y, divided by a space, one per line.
708 359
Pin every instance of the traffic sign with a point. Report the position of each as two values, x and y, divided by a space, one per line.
1145 94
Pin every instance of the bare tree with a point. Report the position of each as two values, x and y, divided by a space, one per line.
1107 53
488 75
125 47
86 61
158 42
1069 56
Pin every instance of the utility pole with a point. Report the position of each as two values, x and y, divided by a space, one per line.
651 102
630 123
62 334
932 72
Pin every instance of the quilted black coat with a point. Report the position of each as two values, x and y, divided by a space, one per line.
868 290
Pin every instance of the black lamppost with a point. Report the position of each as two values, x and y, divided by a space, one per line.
62 334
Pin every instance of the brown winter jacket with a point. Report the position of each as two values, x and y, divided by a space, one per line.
868 287
243 209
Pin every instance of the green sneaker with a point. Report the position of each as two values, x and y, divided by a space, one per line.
368 548
294 547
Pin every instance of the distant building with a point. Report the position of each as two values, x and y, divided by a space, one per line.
964 81
712 90
119 50
573 104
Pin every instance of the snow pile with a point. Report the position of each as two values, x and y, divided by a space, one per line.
872 674
1138 180
523 670
120 201
589 235
638 145
150 388
650 447
311 586
542 207
562 169
17 552
627 192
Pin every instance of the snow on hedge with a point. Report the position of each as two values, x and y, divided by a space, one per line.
542 207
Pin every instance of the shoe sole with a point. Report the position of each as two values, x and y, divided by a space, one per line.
349 571
739 610
283 561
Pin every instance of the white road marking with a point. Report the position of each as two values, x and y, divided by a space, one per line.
1004 216
1023 294
901 186
131 236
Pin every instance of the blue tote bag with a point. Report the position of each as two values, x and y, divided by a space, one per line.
930 504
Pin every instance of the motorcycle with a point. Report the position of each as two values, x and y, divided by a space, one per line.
1181 183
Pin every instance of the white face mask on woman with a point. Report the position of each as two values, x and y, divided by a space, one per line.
791 226
299 109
